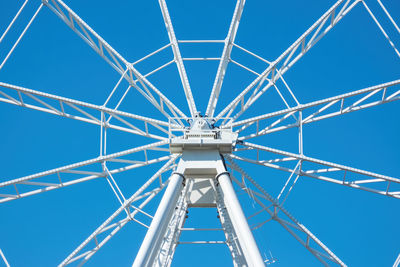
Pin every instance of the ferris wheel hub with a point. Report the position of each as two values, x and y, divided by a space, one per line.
201 135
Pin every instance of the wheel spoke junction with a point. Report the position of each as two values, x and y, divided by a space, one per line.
81 172
324 170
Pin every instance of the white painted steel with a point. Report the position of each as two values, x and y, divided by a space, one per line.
226 55
242 229
294 226
200 144
4 258
112 57
108 223
152 241
178 57
13 20
285 60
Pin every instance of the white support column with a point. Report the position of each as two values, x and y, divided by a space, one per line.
150 246
242 229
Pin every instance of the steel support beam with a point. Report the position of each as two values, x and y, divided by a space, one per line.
152 241
240 225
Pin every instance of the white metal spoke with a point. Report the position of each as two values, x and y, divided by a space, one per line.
115 227
80 110
178 57
77 173
294 227
323 109
226 55
286 60
381 28
21 35
332 172
112 57
389 16
13 20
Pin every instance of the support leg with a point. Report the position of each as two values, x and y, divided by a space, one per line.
242 229
158 226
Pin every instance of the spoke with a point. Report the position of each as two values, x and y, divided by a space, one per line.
79 110
226 55
286 60
13 20
78 172
20 37
112 57
178 57
332 172
381 28
115 227
389 16
323 109
294 227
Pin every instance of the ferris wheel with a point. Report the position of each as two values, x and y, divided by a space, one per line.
213 157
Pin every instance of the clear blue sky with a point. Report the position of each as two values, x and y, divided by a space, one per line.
361 228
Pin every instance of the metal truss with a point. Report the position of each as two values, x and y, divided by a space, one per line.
288 58
318 169
82 111
321 109
199 142
178 57
74 174
225 58
291 224
110 226
112 57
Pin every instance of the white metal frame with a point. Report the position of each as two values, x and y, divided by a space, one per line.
168 221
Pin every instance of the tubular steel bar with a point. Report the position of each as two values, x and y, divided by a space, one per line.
13 20
108 223
242 229
44 105
350 175
226 54
22 35
112 57
73 169
178 57
324 104
152 241
299 227
288 58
